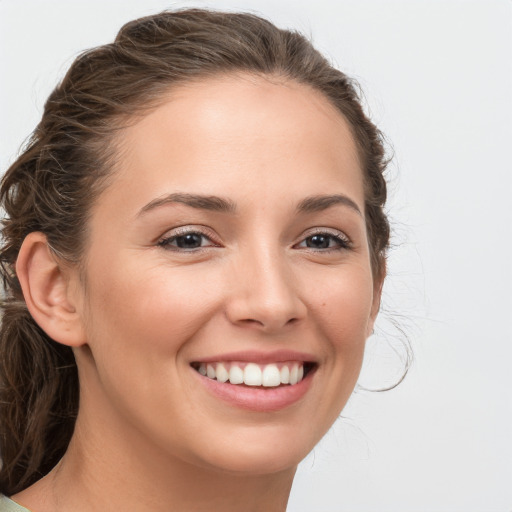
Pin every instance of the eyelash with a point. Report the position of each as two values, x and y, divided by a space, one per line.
180 233
340 239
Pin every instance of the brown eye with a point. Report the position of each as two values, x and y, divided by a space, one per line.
190 241
325 241
186 241
318 241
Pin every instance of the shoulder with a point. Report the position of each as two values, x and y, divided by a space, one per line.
7 505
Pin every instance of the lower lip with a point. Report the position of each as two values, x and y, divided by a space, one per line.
257 398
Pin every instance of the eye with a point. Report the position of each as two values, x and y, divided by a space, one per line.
325 241
186 241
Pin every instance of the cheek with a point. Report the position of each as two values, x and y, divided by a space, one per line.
140 319
146 310
344 306
343 314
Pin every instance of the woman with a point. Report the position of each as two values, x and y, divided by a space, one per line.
195 247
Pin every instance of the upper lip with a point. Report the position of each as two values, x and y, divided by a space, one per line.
256 356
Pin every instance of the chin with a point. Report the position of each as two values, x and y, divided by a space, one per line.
261 463
259 453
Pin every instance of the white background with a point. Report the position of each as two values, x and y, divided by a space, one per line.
438 80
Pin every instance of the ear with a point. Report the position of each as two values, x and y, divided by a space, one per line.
47 287
378 283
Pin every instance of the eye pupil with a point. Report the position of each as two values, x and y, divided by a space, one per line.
189 241
318 241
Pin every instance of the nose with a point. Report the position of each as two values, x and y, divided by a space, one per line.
263 293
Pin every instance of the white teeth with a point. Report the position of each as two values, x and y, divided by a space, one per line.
210 371
271 376
236 375
222 373
252 374
294 375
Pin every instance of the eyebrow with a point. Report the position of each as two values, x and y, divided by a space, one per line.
201 202
319 203
219 204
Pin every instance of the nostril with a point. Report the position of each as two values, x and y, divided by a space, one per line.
249 321
267 324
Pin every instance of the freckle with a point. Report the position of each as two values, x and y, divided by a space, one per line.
323 304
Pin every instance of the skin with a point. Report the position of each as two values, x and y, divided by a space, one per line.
149 435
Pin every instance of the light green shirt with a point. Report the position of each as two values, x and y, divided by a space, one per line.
7 505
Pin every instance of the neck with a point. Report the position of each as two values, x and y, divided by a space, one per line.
112 475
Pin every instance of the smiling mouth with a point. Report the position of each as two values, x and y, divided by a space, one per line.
255 375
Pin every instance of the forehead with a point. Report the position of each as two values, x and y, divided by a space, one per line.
241 132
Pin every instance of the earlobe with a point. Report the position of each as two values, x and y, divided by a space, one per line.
46 288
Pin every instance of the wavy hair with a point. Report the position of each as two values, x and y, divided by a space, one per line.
67 162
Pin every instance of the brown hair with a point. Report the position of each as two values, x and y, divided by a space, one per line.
66 163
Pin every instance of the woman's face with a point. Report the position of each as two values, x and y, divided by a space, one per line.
231 241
